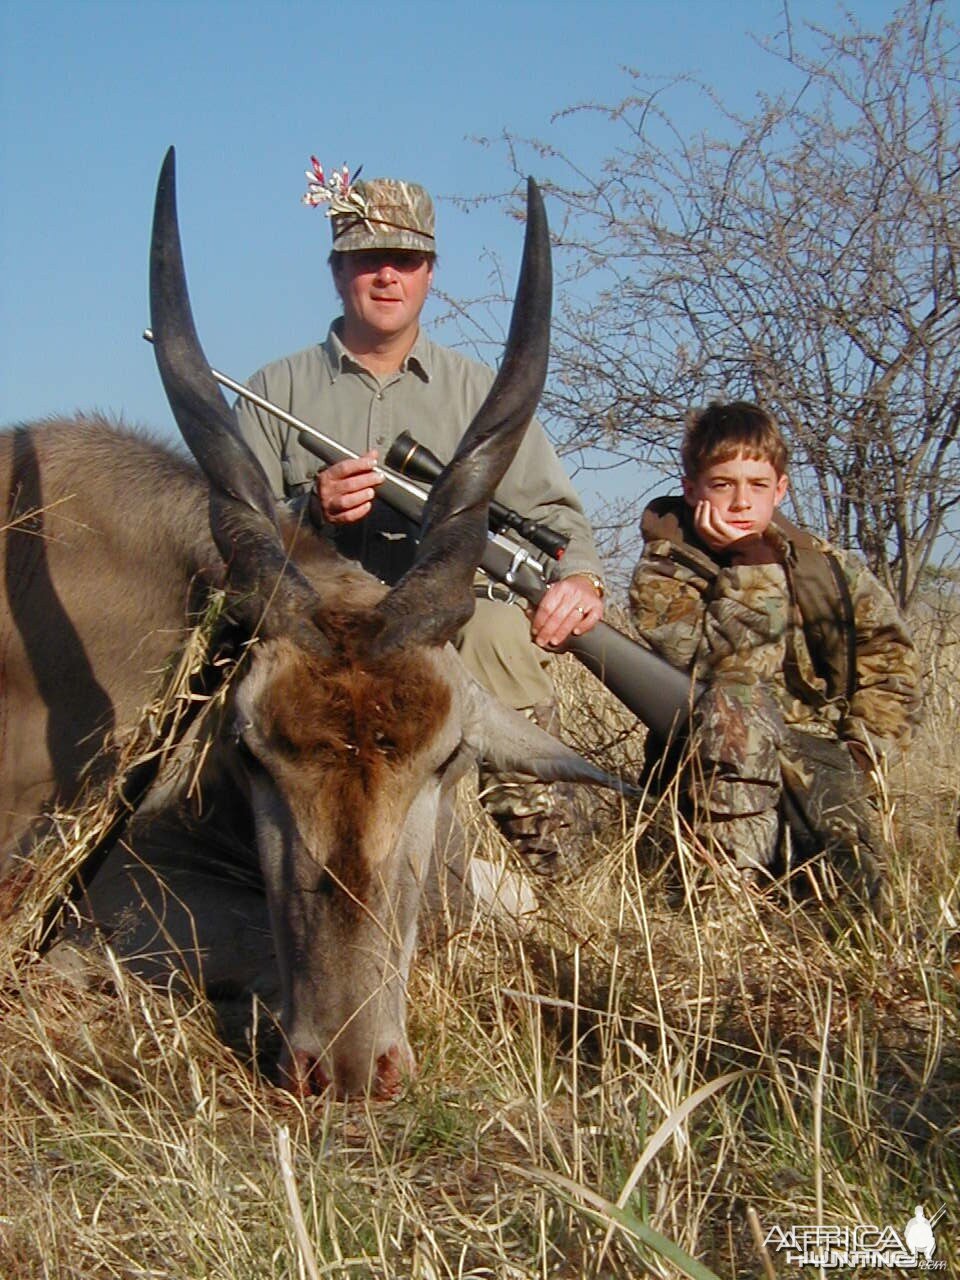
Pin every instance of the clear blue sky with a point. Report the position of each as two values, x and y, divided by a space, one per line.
93 91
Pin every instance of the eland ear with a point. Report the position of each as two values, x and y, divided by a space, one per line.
511 743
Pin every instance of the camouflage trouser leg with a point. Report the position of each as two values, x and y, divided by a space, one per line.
536 817
773 797
735 774
827 811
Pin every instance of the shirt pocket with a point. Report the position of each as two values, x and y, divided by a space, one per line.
296 478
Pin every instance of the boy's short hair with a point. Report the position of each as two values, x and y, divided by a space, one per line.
721 431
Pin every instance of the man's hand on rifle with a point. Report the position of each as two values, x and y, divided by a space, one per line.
570 606
346 489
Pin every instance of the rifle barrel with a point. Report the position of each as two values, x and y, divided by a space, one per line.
323 446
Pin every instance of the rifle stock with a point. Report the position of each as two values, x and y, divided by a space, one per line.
656 693
646 684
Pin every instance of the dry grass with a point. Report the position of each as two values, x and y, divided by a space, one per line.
694 1058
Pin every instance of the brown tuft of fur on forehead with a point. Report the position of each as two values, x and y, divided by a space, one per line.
349 725
360 712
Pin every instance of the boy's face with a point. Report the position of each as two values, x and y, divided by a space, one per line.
743 494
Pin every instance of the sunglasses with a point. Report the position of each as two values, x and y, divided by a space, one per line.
405 261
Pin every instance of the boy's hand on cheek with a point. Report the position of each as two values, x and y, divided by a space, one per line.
713 529
745 548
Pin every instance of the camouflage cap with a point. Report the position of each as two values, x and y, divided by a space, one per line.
395 215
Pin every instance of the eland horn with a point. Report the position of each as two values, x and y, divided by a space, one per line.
435 597
242 510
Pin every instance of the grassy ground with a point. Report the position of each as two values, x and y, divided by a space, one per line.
646 1082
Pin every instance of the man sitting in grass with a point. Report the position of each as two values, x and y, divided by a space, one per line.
811 678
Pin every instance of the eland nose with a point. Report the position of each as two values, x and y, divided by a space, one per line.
301 1074
393 1068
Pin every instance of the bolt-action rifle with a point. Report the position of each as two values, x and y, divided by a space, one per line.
656 693
413 459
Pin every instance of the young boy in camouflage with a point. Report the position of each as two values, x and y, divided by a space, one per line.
811 678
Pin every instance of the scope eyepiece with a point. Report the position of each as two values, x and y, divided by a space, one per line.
410 458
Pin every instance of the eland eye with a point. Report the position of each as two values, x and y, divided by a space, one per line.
240 736
445 764
249 760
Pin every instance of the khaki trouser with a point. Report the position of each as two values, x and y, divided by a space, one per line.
496 649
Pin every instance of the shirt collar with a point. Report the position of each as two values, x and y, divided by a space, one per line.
419 359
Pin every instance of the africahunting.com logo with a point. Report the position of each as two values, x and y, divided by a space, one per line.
861 1246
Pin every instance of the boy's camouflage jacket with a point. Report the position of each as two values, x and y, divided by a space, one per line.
737 627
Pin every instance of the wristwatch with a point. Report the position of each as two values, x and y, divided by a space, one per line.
595 581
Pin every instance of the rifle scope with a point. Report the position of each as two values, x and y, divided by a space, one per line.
410 458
